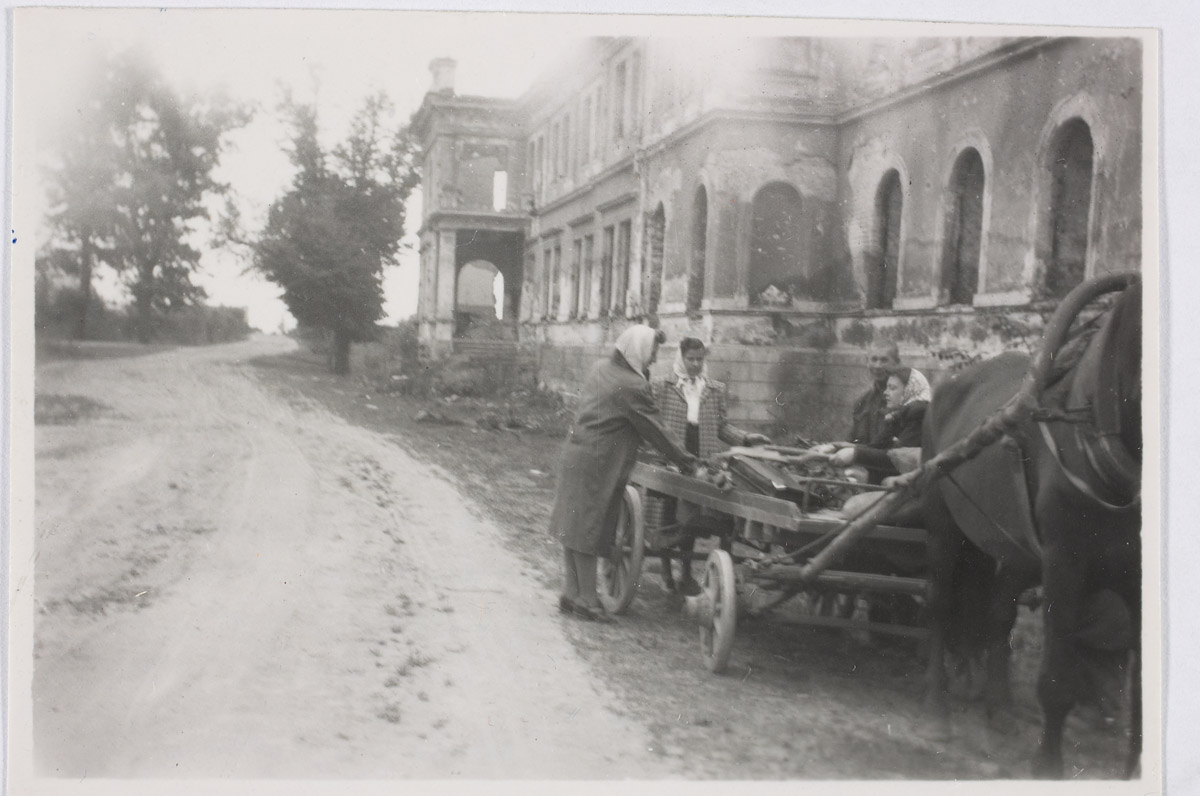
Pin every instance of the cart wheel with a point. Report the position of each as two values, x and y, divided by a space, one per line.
718 621
617 577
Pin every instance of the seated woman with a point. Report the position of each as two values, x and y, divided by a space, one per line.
693 407
908 396
898 441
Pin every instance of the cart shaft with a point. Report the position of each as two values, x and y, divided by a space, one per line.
835 580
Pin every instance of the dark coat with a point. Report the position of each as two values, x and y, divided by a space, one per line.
867 416
901 429
616 413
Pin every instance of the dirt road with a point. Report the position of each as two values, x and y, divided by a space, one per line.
230 585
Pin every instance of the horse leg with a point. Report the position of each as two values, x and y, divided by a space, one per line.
1061 669
1135 718
1133 597
998 701
942 546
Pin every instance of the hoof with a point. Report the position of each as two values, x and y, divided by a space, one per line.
1045 768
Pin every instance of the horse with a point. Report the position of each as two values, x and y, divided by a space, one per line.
1056 500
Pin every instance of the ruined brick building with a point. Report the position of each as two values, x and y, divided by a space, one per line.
787 200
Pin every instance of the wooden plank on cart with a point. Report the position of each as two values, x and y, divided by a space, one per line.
760 508
770 511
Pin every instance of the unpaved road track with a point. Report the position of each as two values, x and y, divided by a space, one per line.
229 585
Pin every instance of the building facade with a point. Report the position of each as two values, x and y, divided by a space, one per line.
788 200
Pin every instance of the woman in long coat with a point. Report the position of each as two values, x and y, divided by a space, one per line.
616 414
694 409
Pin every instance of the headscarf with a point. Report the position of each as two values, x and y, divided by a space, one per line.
636 345
692 388
917 387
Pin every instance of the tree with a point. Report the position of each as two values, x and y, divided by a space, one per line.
329 237
131 183
80 186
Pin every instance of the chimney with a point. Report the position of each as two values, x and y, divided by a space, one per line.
442 70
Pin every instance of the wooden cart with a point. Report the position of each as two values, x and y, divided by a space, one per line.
770 551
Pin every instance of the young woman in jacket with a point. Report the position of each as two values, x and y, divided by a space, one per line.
694 408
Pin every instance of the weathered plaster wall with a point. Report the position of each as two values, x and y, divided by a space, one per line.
734 160
605 202
1008 114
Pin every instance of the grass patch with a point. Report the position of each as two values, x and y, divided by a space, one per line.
52 350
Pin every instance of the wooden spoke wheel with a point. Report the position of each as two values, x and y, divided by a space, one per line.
617 576
718 610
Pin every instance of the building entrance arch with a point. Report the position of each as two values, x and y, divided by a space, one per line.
487 284
477 306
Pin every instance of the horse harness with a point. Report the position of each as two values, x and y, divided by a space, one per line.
1096 426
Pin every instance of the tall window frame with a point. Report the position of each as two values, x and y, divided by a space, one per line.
607 251
962 244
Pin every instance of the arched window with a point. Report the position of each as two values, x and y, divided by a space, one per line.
656 227
1063 241
776 242
964 230
883 260
695 284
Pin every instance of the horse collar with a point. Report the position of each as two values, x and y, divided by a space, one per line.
1094 459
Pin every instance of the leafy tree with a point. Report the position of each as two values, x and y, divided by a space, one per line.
131 183
328 238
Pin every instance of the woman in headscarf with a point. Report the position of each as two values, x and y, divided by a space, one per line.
693 409
616 414
908 396
694 405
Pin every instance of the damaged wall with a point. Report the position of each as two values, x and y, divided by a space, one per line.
831 119
737 161
1009 115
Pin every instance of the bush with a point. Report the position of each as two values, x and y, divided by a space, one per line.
57 308
202 325
394 362
56 315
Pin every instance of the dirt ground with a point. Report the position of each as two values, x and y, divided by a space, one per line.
247 567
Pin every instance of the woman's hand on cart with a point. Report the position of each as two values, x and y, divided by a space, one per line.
712 472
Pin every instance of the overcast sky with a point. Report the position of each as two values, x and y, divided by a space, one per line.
336 58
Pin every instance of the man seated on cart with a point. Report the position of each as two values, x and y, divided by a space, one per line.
867 416
869 413
693 407
907 396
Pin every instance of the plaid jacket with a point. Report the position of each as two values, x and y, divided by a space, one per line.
714 430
